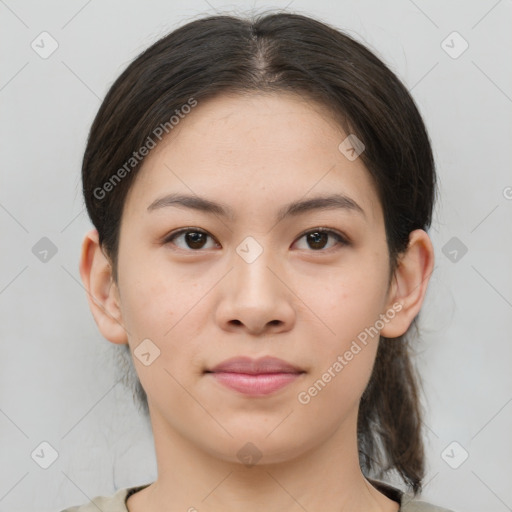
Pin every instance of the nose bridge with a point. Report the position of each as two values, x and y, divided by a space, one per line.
253 295
252 275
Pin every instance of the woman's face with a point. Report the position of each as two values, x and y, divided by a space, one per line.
256 281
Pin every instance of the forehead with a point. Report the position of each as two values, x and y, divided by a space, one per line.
255 150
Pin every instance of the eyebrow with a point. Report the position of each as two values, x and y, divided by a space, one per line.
325 202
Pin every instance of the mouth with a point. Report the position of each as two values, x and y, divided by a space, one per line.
255 377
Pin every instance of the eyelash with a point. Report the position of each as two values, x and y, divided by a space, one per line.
341 239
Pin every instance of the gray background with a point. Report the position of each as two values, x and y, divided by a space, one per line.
58 375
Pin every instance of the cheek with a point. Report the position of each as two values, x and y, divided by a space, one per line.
349 300
157 311
349 306
163 310
153 298
345 353
334 392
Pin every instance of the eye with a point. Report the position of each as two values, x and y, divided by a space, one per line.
317 238
194 238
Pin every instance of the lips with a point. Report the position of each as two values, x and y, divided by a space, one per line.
255 377
264 365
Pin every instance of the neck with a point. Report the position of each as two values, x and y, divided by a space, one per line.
324 477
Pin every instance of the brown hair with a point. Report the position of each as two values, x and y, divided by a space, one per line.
285 52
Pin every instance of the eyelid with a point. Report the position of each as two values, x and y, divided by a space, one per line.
330 231
173 234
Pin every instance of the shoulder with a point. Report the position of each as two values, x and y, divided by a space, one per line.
421 506
409 504
114 503
407 501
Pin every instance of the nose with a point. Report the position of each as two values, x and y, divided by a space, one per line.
255 297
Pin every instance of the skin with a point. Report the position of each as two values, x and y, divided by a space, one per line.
298 301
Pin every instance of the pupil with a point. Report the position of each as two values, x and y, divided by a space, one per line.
315 238
193 239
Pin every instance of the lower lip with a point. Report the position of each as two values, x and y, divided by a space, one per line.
261 384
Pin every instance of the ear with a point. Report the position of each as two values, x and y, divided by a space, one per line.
102 292
409 283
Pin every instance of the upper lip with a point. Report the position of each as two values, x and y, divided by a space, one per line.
255 366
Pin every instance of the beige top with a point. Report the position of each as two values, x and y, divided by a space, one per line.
117 502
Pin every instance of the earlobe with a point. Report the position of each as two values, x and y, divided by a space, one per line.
96 273
410 283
